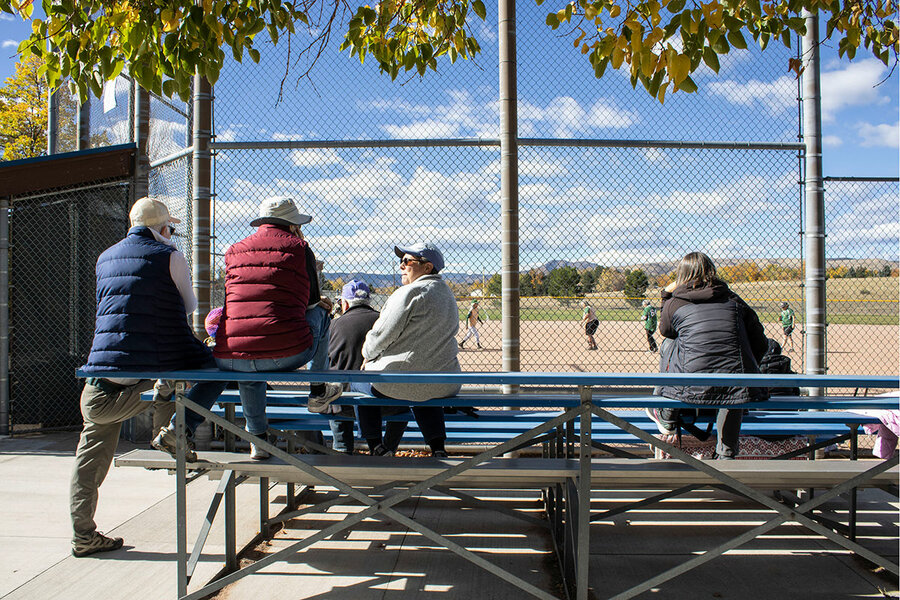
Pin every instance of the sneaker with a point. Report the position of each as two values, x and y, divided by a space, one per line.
439 454
665 426
319 404
478 346
461 345
165 441
97 543
257 453
380 450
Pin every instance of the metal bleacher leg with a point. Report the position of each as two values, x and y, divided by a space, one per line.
289 488
854 454
264 506
231 563
180 494
582 540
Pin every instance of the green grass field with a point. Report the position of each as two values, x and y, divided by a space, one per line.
870 301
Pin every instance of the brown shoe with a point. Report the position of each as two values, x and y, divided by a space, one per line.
165 441
97 543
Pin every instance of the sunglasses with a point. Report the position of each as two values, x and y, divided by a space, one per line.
405 261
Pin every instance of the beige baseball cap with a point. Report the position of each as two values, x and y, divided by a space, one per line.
279 210
150 212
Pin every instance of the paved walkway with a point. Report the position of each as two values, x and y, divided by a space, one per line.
380 560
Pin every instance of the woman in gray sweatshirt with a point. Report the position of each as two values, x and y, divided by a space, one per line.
415 332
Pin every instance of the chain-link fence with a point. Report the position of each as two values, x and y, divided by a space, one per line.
614 188
862 292
56 236
55 239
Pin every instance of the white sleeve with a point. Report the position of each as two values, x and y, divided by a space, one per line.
178 268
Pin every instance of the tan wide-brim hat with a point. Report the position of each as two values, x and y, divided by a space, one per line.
150 212
279 210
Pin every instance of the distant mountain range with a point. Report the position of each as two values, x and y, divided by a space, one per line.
652 269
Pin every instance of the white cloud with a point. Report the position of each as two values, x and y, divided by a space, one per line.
5 17
656 155
540 167
486 33
459 116
855 84
868 228
229 134
375 204
563 116
879 135
9 44
401 106
430 128
316 157
733 201
281 136
832 141
774 96
566 117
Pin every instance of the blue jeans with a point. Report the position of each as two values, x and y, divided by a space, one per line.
253 393
429 418
342 433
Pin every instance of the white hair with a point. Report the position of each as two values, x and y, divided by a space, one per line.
356 302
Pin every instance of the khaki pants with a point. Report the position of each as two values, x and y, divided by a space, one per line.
103 415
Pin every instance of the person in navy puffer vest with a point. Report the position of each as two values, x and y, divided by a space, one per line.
144 295
274 318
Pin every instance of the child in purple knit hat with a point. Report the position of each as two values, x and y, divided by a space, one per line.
212 325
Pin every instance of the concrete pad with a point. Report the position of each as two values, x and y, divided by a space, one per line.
380 559
35 527
703 519
136 504
735 576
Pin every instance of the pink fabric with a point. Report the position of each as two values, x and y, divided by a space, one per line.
886 432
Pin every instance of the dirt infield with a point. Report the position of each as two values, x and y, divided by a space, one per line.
562 346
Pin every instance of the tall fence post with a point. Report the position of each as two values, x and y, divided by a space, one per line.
814 237
509 188
5 203
52 118
201 198
84 125
141 106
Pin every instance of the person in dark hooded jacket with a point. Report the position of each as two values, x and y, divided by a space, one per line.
712 330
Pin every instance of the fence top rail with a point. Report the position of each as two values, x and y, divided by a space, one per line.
517 378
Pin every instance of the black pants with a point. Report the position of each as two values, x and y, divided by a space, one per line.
651 341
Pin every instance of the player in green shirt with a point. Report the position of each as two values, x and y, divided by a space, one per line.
650 321
787 324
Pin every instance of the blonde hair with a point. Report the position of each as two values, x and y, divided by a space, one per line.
695 266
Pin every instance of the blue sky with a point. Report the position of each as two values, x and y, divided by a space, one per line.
610 206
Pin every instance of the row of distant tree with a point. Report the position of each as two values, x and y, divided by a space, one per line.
748 271
567 281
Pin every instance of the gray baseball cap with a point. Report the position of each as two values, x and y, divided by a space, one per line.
425 250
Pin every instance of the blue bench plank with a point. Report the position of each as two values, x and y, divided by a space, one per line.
891 402
519 378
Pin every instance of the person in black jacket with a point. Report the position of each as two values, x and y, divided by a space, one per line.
712 330
345 352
